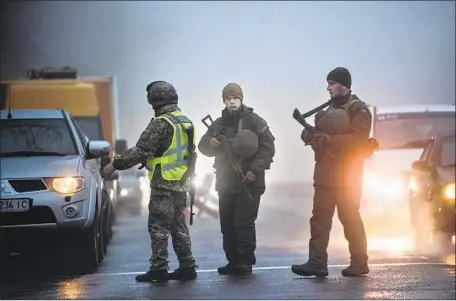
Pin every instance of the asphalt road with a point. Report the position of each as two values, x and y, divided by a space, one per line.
282 241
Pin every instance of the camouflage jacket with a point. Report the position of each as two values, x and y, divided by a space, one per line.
341 164
226 178
154 141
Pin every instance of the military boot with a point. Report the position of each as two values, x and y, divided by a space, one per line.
242 269
153 276
310 268
188 273
355 270
226 270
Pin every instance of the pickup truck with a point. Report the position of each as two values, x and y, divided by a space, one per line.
51 186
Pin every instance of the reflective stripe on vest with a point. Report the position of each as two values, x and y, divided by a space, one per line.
173 163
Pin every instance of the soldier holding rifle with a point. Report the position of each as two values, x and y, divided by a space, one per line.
341 142
243 147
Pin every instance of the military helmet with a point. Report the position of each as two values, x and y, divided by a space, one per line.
160 93
244 144
334 122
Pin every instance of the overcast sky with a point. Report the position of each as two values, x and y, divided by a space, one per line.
280 53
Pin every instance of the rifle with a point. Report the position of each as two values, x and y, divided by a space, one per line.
302 121
301 118
190 173
231 159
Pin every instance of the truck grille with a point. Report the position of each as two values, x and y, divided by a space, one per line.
36 215
22 186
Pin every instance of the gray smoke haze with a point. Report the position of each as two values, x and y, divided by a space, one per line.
280 53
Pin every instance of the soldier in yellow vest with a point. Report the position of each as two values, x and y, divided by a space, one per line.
339 150
164 149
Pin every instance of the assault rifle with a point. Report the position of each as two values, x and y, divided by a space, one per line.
302 121
227 148
190 173
301 118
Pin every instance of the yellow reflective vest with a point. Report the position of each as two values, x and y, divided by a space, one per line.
173 161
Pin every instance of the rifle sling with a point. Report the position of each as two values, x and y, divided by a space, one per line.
320 107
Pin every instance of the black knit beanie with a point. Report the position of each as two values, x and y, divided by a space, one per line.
340 75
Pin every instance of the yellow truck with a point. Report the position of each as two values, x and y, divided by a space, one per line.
91 101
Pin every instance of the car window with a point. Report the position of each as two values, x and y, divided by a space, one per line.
396 130
447 154
36 135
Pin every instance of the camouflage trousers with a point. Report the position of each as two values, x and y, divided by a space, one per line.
166 216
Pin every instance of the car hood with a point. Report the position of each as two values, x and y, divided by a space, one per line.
37 167
395 160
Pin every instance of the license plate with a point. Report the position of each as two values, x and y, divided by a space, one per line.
14 205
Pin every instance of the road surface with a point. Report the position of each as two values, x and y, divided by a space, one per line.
282 241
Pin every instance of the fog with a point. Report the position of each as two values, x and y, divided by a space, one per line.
280 53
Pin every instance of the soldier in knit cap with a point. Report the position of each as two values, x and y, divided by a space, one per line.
252 145
339 155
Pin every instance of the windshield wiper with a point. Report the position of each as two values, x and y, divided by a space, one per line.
30 153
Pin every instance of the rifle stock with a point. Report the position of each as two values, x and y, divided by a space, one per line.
302 121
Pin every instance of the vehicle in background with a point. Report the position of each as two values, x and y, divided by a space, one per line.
51 186
432 194
131 191
387 174
92 101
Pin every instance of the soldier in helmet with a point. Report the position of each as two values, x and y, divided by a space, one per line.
168 182
343 131
247 136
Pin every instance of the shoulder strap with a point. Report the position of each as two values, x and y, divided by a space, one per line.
353 104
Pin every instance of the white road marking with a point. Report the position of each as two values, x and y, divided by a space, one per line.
286 268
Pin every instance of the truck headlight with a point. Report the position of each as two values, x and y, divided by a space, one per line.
449 191
124 192
67 185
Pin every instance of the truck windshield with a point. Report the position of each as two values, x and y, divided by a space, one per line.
447 158
396 130
35 137
91 127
